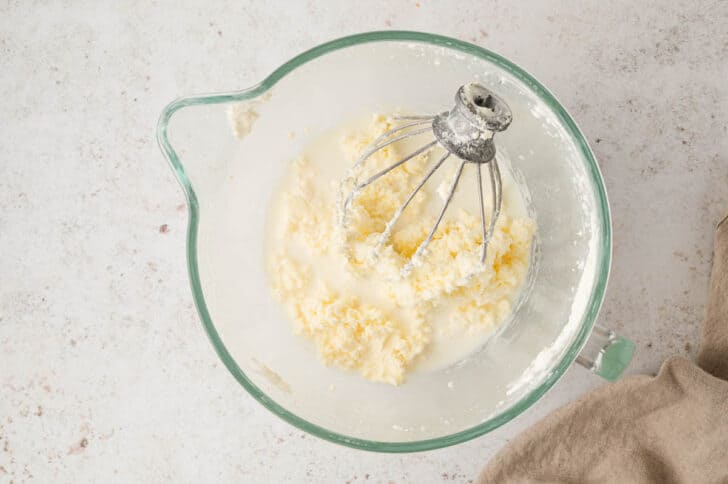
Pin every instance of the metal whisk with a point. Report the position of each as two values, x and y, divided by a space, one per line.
466 131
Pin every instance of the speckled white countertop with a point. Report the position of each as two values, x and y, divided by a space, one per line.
105 372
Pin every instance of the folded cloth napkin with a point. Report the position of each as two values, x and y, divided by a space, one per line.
671 428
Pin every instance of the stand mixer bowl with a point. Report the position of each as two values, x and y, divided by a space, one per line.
228 182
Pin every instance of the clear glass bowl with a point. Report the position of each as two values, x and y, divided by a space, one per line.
228 183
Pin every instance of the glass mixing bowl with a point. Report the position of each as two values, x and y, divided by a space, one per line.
229 181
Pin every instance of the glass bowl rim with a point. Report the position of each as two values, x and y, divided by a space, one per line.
604 245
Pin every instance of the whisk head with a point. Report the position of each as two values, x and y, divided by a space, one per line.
465 132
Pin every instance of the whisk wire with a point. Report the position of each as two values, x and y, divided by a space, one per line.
496 199
390 225
484 245
497 187
378 145
359 187
423 246
394 165
411 117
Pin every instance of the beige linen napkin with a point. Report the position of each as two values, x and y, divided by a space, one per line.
672 428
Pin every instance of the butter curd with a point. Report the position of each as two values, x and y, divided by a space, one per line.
360 313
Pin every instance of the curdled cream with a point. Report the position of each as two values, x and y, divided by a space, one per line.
358 310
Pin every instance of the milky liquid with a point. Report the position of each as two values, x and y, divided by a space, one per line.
328 161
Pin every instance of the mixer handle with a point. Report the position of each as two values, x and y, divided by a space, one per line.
606 353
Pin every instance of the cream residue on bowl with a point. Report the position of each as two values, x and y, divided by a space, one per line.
361 314
243 115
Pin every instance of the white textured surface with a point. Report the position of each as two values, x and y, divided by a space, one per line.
105 372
